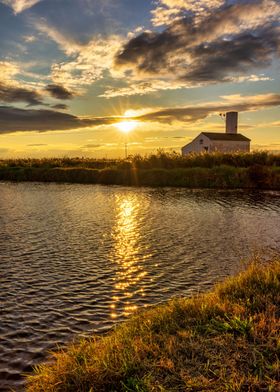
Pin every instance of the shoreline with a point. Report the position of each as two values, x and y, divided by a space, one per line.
222 340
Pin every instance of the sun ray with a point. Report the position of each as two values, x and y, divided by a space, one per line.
126 126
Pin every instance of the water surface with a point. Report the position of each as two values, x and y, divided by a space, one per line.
79 258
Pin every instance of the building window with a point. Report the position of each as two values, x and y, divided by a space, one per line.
201 141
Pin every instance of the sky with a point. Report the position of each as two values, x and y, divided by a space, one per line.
75 74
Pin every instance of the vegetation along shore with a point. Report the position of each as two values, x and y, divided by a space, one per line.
240 170
226 340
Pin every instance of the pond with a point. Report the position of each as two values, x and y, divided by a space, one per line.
76 259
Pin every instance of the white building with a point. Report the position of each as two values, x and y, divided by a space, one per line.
230 141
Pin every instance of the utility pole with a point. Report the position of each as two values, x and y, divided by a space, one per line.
125 147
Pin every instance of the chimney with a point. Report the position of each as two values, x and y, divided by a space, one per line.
231 122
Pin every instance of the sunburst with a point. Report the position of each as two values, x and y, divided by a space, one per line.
126 126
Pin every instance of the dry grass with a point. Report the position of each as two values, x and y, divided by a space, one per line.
161 160
227 340
258 170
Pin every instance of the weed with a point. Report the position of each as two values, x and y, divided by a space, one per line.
227 340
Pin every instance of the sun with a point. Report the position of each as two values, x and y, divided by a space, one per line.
126 126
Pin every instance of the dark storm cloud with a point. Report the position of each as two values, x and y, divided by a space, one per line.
59 92
226 43
12 94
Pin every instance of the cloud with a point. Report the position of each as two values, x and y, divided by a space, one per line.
154 85
91 146
58 91
210 41
8 70
26 120
11 90
191 114
60 106
13 120
12 94
19 6
88 64
142 88
167 11
275 124
87 61
36 145
29 38
222 45
69 45
32 93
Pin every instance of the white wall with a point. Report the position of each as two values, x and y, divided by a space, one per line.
199 144
229 146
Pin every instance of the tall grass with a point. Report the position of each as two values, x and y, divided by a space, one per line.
227 340
254 170
159 160
174 160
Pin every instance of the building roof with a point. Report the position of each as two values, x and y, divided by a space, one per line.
236 137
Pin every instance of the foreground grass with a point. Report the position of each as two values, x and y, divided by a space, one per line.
259 170
227 340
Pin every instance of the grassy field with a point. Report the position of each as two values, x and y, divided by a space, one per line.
227 340
242 170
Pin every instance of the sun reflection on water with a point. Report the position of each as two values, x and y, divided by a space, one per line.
126 254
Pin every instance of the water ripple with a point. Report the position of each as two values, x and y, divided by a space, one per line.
79 258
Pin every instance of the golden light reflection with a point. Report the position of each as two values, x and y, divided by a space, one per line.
128 309
127 253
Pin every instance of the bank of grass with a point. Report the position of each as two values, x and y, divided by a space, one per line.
227 340
240 170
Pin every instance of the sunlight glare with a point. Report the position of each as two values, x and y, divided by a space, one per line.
126 126
130 273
